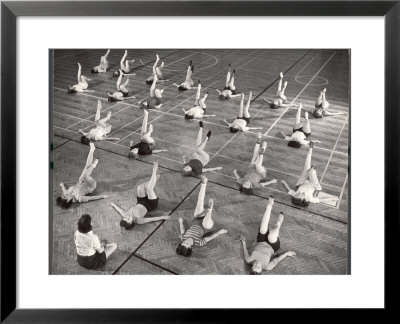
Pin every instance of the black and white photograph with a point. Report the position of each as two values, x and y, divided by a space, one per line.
199 161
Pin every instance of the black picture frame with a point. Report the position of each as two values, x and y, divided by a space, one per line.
11 10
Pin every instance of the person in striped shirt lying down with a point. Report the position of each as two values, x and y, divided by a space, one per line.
243 117
256 172
308 186
201 224
300 131
200 157
268 244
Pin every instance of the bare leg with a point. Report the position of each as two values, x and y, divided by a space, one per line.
153 87
152 183
307 166
196 102
325 104
266 216
122 62
232 81
312 176
207 221
199 135
246 108
119 209
297 123
274 232
280 84
109 249
123 86
89 159
119 79
256 151
198 212
240 113
259 162
106 55
155 64
144 123
79 73
307 126
202 102
228 76
320 97
97 117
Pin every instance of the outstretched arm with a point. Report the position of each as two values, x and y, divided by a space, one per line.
288 105
159 151
250 128
152 219
274 262
235 95
213 236
286 185
246 253
211 169
226 122
267 183
331 113
205 116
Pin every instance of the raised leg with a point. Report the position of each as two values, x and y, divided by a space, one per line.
103 122
325 104
306 126
97 117
259 167
228 76
79 73
199 135
312 176
122 62
231 84
240 112
256 151
274 232
307 166
202 101
198 212
155 64
196 102
119 79
266 216
297 122
144 123
152 183
207 221
246 108
279 84
153 87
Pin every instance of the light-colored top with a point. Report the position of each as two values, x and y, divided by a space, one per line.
308 189
253 177
298 137
196 233
240 123
98 133
82 188
86 244
197 112
262 253
136 212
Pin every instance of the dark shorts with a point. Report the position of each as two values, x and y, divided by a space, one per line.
274 106
180 88
94 261
228 88
301 130
112 99
149 82
247 119
318 106
150 204
264 238
125 94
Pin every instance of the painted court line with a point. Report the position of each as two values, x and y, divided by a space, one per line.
298 95
341 193
194 93
330 157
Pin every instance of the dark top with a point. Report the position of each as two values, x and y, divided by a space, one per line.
197 167
144 148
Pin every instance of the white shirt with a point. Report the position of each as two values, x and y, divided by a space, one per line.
241 123
308 189
197 112
298 137
86 244
97 133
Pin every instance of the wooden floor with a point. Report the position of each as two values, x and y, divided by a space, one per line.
318 234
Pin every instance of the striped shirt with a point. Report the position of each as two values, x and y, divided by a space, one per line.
195 232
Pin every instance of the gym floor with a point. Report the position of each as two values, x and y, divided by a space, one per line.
318 234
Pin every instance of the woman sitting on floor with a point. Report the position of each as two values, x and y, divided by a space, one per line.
85 185
200 158
146 202
268 244
200 226
92 253
200 106
147 143
256 173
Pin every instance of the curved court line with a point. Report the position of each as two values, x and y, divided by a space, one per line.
325 81
201 69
